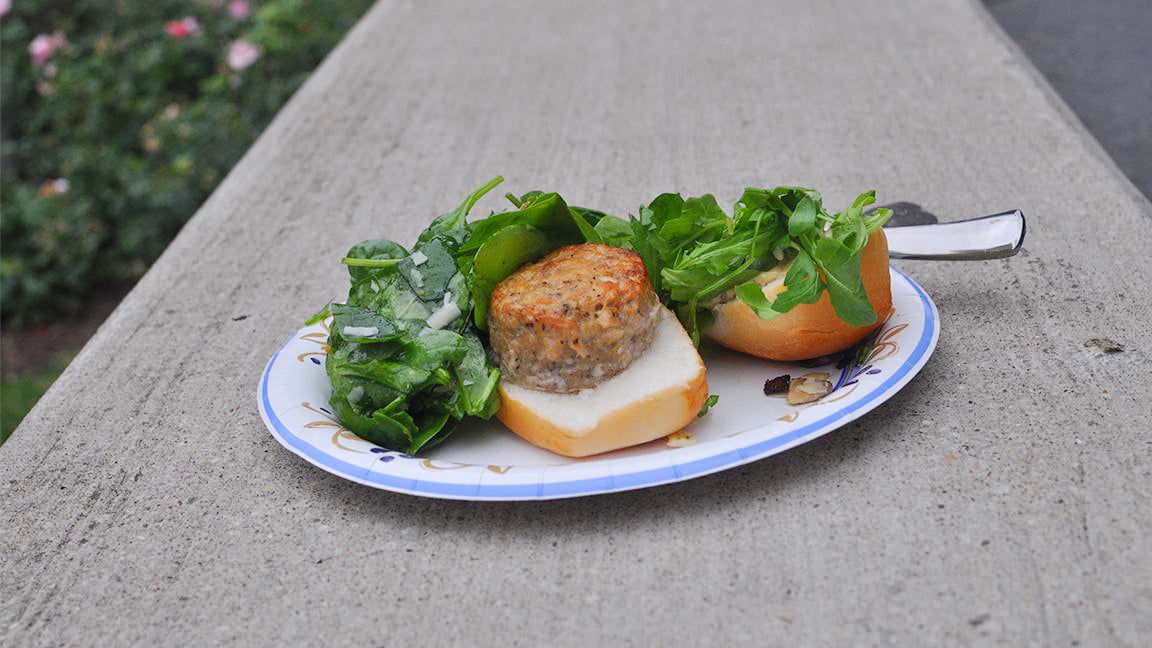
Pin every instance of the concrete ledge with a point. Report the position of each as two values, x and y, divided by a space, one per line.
1002 498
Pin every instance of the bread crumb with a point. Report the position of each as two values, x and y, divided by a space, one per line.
681 439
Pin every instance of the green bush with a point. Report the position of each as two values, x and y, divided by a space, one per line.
18 394
122 117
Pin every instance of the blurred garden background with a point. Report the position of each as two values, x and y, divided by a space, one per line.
118 119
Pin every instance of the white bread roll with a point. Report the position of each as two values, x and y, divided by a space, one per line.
809 330
659 393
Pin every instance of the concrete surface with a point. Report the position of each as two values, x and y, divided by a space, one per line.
1003 498
1097 56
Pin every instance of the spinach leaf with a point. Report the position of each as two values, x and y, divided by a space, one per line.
356 324
429 278
501 255
545 211
477 380
614 230
453 223
428 429
406 359
586 220
376 251
387 430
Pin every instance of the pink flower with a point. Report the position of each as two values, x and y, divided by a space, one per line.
183 28
241 54
5 5
55 187
45 45
238 9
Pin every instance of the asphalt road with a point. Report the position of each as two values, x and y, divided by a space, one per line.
1098 57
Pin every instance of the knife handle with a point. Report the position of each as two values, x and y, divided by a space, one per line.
989 237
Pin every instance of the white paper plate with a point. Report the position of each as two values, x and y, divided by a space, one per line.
485 461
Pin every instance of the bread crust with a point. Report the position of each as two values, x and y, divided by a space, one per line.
632 424
809 330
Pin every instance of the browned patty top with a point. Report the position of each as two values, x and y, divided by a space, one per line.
575 281
579 316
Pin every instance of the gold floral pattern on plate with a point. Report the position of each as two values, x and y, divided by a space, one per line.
339 432
867 354
317 337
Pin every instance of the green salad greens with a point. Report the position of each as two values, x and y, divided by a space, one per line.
695 252
408 358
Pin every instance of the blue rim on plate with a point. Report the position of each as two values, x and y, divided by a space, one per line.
725 456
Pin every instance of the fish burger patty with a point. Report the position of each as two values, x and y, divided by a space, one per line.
574 319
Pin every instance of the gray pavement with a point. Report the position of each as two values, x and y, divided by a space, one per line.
1003 498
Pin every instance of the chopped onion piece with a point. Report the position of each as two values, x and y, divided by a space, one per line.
444 316
360 331
418 258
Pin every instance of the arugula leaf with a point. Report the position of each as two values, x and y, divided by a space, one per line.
802 284
662 209
802 222
876 218
643 245
709 403
752 294
840 266
703 210
699 259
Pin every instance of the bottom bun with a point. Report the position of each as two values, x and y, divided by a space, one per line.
658 394
808 330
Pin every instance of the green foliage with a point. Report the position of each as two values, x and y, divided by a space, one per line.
403 372
18 394
406 363
139 124
695 253
408 359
